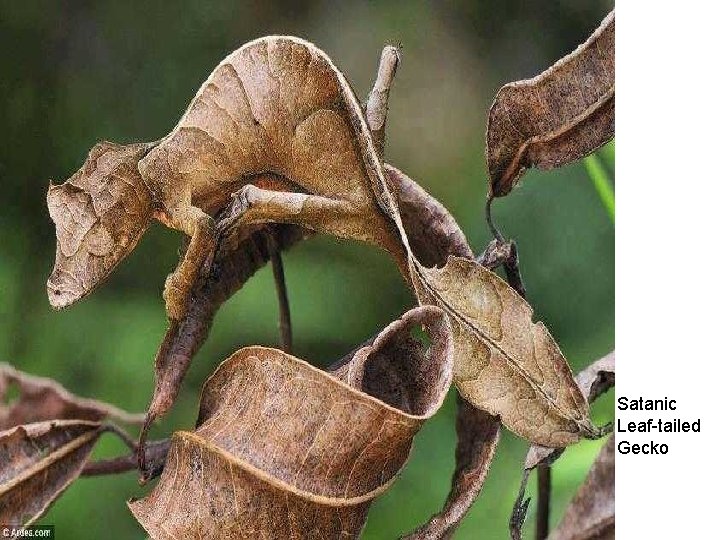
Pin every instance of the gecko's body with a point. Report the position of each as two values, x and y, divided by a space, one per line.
275 124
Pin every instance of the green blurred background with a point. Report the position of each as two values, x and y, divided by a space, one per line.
74 73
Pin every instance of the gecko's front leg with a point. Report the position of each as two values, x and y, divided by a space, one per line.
201 229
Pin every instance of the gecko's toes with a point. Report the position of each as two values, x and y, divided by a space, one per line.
239 204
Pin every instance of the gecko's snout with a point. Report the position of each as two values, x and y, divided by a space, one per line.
62 290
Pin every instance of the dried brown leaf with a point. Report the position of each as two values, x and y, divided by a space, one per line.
593 381
41 399
505 364
591 514
432 231
37 462
284 450
559 116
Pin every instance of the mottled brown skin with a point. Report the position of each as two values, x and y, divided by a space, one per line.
100 214
276 126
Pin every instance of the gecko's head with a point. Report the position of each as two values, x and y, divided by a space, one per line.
100 213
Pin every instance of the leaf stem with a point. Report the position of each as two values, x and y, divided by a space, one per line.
122 434
602 183
156 453
489 219
284 322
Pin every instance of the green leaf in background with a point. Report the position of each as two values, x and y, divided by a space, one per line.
601 181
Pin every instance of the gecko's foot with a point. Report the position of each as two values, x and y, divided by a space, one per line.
239 204
207 266
176 295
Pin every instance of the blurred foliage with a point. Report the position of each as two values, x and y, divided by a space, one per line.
77 72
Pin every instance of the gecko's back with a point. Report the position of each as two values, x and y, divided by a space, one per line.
276 105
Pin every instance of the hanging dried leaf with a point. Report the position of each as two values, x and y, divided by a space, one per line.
41 399
284 450
591 514
505 364
432 231
593 381
561 115
37 462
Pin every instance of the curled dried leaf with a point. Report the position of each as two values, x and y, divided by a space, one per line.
591 514
283 450
561 115
37 462
432 231
41 399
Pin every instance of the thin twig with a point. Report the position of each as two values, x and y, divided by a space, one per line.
544 486
512 271
377 101
156 452
122 434
489 220
284 323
